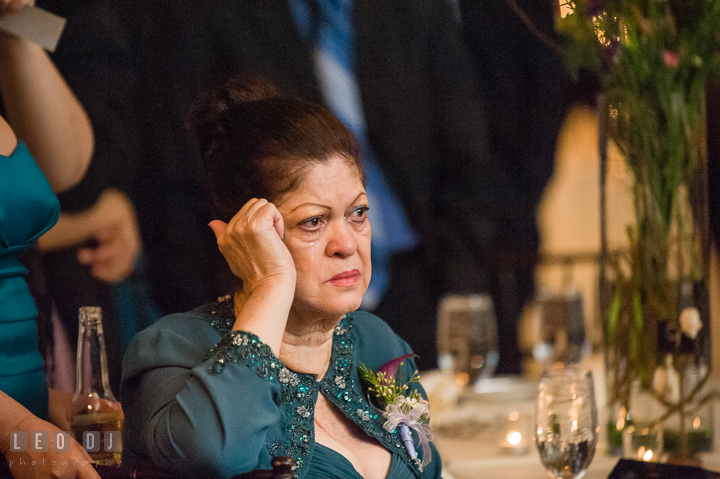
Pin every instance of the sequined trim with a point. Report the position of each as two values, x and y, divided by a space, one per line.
240 346
338 386
298 395
246 348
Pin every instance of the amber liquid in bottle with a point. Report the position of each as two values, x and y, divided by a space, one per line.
94 408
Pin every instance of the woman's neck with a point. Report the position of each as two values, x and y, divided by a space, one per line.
307 336
307 344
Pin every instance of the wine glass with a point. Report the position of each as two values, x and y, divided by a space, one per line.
467 337
562 327
566 424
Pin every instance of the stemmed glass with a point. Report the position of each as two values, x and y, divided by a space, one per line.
467 337
566 424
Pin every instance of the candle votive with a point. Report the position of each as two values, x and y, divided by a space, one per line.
516 438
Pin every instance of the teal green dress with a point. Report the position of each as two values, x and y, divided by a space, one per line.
28 208
201 400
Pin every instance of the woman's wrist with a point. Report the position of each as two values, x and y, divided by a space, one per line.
12 415
278 282
264 310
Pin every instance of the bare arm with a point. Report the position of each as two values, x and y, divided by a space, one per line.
251 244
43 111
8 141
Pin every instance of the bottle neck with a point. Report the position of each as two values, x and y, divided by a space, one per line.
92 371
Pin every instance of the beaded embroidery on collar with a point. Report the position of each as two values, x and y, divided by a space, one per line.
299 391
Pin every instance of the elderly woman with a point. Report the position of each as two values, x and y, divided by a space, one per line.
273 368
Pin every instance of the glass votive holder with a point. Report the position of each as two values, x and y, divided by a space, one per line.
516 435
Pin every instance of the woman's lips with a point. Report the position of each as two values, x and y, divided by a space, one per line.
346 278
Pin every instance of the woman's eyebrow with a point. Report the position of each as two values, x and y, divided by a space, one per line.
325 207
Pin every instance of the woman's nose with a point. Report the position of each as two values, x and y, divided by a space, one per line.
341 241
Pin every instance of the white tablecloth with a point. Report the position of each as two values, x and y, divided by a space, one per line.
521 467
469 437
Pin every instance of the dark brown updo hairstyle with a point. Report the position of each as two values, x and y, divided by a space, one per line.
256 144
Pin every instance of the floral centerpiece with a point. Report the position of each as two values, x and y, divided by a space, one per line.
653 59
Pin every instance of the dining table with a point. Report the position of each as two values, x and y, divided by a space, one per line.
472 427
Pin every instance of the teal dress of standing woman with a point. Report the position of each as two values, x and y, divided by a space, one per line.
28 208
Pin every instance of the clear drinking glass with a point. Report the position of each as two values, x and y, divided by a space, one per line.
467 337
562 327
566 424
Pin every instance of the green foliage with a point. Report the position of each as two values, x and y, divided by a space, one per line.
386 389
653 59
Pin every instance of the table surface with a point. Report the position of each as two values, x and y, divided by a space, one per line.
469 436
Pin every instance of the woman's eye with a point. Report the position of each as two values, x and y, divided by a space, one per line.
359 214
312 224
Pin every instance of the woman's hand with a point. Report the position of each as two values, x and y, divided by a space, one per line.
112 224
30 464
252 245
59 403
13 6
70 464
117 236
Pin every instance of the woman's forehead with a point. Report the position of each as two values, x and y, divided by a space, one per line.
330 182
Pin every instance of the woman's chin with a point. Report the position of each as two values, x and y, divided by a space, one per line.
342 304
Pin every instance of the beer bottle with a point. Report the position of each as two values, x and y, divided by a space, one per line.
95 415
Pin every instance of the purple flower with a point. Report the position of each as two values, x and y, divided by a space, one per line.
390 368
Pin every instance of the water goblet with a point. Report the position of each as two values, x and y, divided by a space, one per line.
467 337
566 424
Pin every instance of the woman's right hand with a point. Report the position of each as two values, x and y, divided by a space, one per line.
13 6
252 246
71 464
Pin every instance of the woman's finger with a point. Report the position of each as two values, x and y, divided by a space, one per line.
279 224
15 6
218 227
269 209
255 209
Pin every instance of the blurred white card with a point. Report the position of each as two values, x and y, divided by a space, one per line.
35 24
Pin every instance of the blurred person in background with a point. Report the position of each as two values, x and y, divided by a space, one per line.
93 256
522 83
55 131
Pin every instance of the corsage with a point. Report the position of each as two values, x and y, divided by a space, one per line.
403 410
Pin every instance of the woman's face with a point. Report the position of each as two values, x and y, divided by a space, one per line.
328 234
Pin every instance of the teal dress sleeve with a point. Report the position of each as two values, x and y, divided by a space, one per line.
183 416
28 208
